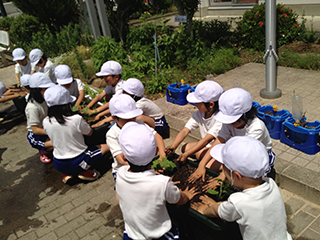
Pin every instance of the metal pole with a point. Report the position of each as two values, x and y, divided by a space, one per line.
103 18
271 56
93 19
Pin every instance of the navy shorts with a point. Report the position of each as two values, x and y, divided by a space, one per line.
173 234
37 141
272 158
78 164
162 127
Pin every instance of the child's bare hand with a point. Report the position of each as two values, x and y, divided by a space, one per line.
182 158
200 207
190 193
207 200
200 172
213 184
98 124
169 151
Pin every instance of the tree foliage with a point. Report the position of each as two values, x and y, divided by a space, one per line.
54 13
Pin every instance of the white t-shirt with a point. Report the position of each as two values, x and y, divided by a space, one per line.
117 89
23 69
143 198
206 126
112 138
259 211
254 128
75 87
149 108
35 113
67 139
49 70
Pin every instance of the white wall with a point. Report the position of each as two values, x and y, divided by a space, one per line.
291 2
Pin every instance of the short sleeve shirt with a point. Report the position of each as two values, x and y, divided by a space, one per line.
75 87
21 70
35 113
49 70
149 108
117 89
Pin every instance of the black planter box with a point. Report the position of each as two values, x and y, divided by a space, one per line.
98 136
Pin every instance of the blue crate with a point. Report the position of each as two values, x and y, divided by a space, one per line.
301 138
273 123
192 89
256 104
177 95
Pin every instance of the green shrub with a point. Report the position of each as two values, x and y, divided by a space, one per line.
250 32
5 23
309 61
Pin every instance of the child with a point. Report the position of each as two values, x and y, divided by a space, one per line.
75 86
239 119
135 89
111 73
40 60
259 209
36 110
8 93
66 129
23 65
123 109
206 98
142 193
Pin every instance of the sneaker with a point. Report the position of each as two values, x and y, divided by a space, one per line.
66 178
89 175
44 156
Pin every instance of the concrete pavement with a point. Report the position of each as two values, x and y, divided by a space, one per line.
35 204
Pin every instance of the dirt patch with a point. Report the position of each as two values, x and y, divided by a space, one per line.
302 47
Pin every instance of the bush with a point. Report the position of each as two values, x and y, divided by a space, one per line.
309 61
5 23
250 32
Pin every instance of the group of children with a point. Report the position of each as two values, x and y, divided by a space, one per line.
234 142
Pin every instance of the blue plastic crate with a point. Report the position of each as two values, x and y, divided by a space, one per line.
192 89
177 95
256 104
273 123
301 138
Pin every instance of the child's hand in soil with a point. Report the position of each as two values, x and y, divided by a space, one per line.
190 193
182 158
207 200
213 184
200 172
98 124
169 151
200 207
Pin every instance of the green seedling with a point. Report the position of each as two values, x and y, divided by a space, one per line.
224 189
164 164
84 112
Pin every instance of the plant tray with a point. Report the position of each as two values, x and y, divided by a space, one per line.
177 95
98 135
301 138
273 123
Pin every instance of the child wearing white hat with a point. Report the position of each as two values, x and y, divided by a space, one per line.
23 65
8 93
72 157
259 209
36 110
123 110
111 72
206 98
239 119
134 87
75 86
40 60
143 193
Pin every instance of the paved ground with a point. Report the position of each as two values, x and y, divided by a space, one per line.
35 204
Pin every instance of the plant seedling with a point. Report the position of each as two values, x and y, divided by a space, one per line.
163 164
224 190
84 112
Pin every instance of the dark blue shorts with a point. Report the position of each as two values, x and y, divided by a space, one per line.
162 127
37 141
78 164
172 234
272 158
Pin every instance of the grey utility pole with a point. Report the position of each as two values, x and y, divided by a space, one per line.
271 91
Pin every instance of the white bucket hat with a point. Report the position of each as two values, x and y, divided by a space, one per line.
35 56
58 95
133 86
232 104
24 80
18 54
205 92
3 89
40 80
110 68
123 106
138 144
245 155
63 74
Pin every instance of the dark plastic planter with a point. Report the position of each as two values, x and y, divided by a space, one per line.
193 225
98 136
20 103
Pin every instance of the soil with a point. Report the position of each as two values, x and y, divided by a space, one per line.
301 47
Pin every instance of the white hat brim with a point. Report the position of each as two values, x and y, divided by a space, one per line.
35 63
65 81
226 119
132 114
47 85
101 74
191 98
216 152
18 58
